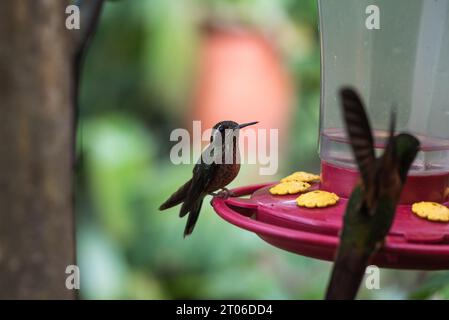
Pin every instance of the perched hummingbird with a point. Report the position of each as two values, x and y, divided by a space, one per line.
371 208
218 165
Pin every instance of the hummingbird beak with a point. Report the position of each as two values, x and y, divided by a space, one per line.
243 125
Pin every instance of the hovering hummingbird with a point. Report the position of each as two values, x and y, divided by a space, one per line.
218 165
371 208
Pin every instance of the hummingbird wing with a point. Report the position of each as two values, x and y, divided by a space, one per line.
202 175
407 146
359 133
177 197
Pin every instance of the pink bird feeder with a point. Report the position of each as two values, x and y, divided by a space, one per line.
401 62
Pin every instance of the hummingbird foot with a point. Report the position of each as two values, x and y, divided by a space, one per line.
224 193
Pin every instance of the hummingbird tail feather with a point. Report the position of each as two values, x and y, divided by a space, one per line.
193 217
177 197
347 275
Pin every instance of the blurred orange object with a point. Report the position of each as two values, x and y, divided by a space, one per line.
241 78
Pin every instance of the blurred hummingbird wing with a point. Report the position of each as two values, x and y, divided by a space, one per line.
359 134
407 147
399 155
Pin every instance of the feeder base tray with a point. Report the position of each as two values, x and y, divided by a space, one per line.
413 243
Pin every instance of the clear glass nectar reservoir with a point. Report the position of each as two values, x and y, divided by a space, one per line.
395 53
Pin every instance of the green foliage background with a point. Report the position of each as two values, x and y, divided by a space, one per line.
136 81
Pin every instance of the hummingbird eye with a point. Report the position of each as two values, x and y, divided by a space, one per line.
221 128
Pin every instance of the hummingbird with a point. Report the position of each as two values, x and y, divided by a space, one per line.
218 166
372 205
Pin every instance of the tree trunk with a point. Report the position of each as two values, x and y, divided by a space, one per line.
36 149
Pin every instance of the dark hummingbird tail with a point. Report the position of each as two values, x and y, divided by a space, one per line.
193 216
348 272
191 201
177 197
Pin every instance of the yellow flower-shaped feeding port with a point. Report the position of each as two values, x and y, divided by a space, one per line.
431 211
290 187
301 176
317 199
